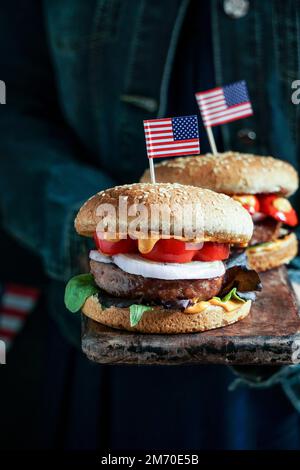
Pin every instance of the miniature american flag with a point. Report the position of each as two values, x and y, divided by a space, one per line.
172 136
16 302
224 104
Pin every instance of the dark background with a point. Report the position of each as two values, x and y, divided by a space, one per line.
51 396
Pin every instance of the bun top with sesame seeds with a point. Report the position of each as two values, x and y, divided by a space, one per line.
229 173
214 217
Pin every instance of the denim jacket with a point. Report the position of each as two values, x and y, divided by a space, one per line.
82 75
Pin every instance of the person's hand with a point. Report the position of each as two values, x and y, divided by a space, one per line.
255 374
258 374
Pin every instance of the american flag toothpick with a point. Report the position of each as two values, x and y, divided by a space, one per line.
171 137
223 104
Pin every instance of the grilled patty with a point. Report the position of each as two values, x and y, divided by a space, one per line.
118 283
265 231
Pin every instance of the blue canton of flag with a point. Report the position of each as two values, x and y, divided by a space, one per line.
236 93
224 104
185 127
172 136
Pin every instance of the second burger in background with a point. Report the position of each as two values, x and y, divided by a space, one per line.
261 184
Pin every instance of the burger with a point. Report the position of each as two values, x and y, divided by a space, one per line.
260 184
146 275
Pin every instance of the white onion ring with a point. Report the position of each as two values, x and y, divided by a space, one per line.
96 255
135 264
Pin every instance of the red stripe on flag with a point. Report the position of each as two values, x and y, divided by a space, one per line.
208 91
4 333
207 109
212 100
175 148
13 312
154 126
234 118
150 121
166 132
21 290
229 108
173 143
166 150
244 108
166 138
172 154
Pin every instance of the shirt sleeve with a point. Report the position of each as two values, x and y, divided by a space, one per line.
44 176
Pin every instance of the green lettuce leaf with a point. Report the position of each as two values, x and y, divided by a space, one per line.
232 295
78 289
136 313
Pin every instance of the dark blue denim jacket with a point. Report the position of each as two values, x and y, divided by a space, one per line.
79 86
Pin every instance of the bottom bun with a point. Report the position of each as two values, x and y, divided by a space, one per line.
160 320
273 254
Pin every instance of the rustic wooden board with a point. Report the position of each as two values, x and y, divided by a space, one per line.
266 336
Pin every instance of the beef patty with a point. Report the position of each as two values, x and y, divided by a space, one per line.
265 231
118 283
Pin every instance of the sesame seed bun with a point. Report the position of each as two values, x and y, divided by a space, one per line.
273 254
218 217
160 320
229 173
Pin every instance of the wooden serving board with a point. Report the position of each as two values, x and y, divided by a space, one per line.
266 336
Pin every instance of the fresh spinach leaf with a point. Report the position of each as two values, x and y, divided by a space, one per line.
232 295
78 289
136 313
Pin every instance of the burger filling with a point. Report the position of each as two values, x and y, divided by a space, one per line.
172 273
117 282
269 213
265 230
165 250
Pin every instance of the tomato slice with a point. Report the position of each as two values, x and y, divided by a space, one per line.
279 208
249 202
175 251
212 251
108 247
166 251
170 251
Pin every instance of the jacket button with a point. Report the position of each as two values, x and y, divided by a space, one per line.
236 8
246 136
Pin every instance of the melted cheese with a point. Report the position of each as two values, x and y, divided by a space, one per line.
248 199
198 307
229 306
269 246
146 245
